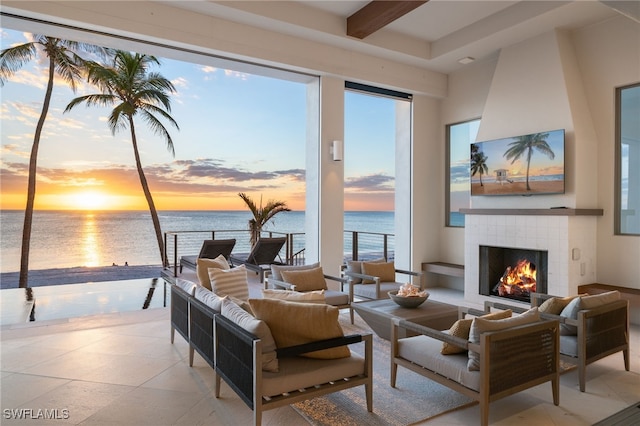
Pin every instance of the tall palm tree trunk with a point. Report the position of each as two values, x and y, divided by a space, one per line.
31 186
147 193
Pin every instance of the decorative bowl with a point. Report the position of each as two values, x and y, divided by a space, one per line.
407 301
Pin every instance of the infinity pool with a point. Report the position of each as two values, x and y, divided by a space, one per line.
24 305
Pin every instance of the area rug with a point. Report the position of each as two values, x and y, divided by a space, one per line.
414 399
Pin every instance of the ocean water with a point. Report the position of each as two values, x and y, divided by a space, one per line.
63 239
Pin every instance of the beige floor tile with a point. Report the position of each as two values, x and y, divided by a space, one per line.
131 370
20 389
145 406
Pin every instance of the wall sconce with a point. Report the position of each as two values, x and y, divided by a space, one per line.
335 149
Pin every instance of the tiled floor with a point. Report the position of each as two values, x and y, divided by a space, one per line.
121 369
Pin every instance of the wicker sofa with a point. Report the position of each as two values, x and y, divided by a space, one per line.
510 359
594 333
236 355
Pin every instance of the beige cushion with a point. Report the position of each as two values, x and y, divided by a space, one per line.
256 327
481 325
590 302
203 265
555 305
386 271
462 327
294 323
186 285
316 296
207 297
230 282
356 266
584 302
306 280
276 270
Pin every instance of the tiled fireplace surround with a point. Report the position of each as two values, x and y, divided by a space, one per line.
569 236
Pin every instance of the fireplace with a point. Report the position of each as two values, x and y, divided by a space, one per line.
512 273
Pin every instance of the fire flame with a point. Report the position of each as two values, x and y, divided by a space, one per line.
518 280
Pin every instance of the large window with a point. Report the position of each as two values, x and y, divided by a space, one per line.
627 219
459 138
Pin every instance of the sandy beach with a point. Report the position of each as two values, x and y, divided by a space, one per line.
79 274
537 187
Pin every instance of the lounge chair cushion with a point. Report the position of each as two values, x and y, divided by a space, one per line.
481 325
306 280
462 327
294 323
316 296
203 265
386 271
256 327
425 351
356 267
230 282
276 270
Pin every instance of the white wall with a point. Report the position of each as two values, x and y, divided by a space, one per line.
609 57
589 65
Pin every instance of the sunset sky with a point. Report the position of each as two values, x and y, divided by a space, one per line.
238 133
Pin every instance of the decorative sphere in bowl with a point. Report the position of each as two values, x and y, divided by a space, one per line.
408 301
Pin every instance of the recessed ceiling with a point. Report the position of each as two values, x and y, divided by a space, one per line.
433 36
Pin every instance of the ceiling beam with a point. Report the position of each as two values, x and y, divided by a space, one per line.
377 15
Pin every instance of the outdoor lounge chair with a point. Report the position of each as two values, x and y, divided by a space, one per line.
262 256
210 250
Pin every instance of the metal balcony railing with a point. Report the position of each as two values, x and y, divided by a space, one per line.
358 245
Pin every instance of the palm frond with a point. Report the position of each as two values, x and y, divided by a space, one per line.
13 58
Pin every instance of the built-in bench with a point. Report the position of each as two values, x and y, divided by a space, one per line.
443 268
630 294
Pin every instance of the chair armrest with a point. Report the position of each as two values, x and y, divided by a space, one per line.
464 310
296 350
362 276
279 285
431 332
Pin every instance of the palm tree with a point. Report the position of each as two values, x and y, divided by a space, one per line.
64 61
135 91
478 163
261 215
527 144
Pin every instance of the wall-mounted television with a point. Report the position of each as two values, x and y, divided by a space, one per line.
521 165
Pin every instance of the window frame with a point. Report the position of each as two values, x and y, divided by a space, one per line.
448 170
618 161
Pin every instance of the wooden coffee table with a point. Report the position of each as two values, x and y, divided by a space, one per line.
379 313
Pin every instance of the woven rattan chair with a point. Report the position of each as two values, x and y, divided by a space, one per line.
511 360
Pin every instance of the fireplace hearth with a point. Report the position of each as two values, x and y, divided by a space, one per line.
512 273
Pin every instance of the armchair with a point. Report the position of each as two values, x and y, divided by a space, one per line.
530 342
374 279
597 327
307 278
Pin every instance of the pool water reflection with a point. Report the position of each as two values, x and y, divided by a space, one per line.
20 305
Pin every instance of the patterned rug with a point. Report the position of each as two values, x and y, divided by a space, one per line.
414 399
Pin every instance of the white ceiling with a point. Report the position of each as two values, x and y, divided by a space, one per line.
433 36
